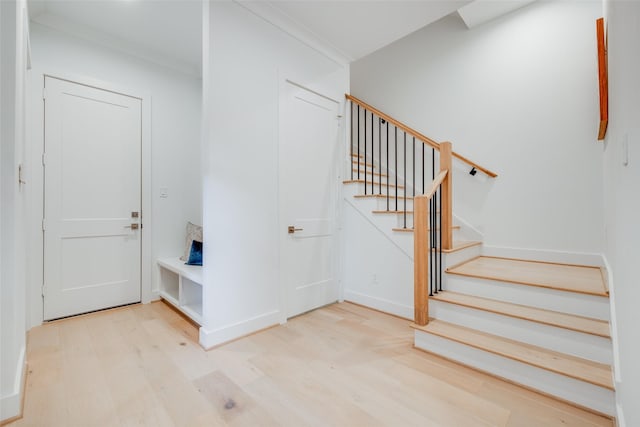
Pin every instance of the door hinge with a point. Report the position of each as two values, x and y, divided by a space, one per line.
44 224
44 93
43 289
44 159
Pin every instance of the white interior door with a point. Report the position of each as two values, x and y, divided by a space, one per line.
309 127
92 169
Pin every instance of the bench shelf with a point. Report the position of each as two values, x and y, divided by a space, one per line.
181 286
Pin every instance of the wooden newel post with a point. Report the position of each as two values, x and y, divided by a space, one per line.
446 204
420 260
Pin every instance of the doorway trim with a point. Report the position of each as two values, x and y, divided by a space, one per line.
35 150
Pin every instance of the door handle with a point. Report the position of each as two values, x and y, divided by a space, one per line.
292 229
132 226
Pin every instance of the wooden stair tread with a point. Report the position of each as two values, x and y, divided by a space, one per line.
571 278
357 155
368 172
393 212
410 229
547 317
574 367
461 244
383 196
384 211
362 181
358 161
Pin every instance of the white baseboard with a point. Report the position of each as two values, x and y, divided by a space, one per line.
620 416
212 338
11 405
380 304
613 322
580 258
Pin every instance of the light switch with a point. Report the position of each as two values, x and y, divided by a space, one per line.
164 192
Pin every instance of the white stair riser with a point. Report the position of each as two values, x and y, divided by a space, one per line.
549 299
382 202
457 257
359 189
405 241
578 344
377 188
582 393
409 236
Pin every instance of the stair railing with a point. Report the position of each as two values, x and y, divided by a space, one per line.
432 232
392 160
397 169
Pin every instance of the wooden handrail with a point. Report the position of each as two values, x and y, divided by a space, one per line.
434 186
422 138
474 165
394 122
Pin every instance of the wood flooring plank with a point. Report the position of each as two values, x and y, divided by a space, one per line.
572 278
342 365
231 401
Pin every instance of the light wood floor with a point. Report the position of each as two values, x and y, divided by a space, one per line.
342 365
572 278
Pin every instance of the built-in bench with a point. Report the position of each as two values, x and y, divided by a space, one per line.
181 286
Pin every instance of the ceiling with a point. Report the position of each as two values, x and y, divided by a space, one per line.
356 28
169 32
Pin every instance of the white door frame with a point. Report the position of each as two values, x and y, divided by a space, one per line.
283 80
35 147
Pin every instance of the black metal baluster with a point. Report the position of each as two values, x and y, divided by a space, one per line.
365 152
440 244
429 244
351 143
373 156
433 164
388 176
404 180
380 156
423 168
435 243
413 156
395 156
358 153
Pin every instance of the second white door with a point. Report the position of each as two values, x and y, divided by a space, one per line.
92 234
308 149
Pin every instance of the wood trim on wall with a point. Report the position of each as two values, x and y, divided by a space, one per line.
603 78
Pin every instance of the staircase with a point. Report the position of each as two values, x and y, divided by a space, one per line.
543 325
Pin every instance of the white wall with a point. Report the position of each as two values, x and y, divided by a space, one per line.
621 201
518 95
381 278
241 260
13 206
175 127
